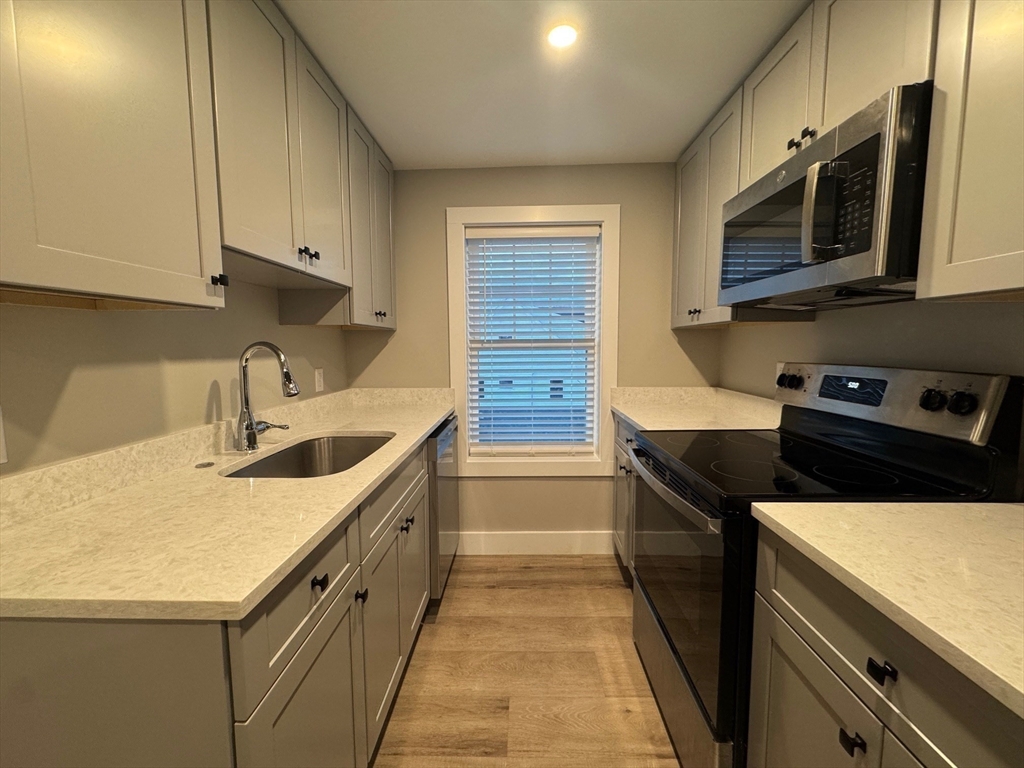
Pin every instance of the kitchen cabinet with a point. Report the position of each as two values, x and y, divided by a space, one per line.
108 179
314 715
323 152
823 658
775 102
383 657
622 510
413 574
972 240
690 231
383 271
861 50
281 141
254 82
801 714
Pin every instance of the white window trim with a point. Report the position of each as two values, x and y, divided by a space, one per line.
607 217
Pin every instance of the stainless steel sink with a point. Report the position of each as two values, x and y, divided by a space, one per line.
316 457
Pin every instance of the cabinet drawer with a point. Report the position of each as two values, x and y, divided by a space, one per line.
928 701
624 432
375 513
261 645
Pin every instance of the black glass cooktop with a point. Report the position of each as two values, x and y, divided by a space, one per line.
759 465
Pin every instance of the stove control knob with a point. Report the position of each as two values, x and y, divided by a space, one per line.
962 403
933 400
794 381
781 381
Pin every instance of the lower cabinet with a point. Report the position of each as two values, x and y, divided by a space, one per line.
313 715
622 509
413 575
801 714
382 630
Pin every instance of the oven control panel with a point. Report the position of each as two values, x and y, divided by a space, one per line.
958 405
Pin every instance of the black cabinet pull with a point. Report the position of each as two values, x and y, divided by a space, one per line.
404 528
304 251
629 441
852 743
378 313
220 279
622 467
881 671
384 314
362 594
793 144
315 255
411 520
320 582
808 133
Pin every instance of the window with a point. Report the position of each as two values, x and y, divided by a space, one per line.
530 342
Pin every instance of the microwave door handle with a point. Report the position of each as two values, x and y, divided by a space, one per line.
692 514
807 250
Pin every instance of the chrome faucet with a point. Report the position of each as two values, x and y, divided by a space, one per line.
248 428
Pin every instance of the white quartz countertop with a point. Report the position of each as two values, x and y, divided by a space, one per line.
185 543
952 575
657 408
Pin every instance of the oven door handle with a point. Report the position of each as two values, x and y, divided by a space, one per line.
678 503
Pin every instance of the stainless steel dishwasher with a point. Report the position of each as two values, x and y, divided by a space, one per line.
443 468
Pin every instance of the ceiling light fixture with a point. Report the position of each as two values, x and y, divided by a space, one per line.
562 36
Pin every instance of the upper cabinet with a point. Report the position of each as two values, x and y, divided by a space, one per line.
973 235
383 261
837 58
108 181
775 102
281 133
691 205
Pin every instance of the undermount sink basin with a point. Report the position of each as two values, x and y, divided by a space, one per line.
315 457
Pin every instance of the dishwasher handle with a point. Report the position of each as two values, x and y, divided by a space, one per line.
686 510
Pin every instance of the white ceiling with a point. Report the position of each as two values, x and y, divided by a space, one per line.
474 83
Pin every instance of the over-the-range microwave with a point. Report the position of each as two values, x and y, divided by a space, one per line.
839 223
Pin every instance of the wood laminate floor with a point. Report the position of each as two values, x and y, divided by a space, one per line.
529 664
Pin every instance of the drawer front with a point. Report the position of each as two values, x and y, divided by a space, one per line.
928 701
624 432
262 644
375 513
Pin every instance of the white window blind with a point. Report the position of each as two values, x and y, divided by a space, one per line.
532 327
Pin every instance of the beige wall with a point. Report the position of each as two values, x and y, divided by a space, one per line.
536 504
77 381
649 353
956 336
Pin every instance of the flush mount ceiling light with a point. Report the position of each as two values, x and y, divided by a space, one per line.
562 36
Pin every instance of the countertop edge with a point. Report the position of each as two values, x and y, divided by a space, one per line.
998 687
19 608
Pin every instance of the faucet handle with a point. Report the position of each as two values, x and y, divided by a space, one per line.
263 426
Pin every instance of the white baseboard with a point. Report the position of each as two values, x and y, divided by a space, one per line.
535 543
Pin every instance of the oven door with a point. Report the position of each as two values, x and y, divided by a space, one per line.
684 560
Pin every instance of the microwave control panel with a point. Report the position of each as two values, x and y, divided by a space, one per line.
856 172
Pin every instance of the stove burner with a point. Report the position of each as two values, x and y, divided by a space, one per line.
754 471
696 441
856 475
742 438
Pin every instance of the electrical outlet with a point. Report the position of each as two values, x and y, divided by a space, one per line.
318 374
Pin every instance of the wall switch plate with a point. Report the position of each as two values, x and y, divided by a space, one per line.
318 375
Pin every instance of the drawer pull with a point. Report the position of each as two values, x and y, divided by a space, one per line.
404 528
362 594
852 743
881 671
320 582
411 520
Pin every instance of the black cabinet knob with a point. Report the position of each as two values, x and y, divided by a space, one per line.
404 528
411 520
320 583
852 743
629 441
793 144
933 400
362 594
879 672
384 314
220 279
808 133
962 403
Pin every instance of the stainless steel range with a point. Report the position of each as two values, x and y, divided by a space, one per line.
847 433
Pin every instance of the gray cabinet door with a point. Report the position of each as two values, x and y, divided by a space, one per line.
800 712
254 81
620 510
414 518
383 262
360 184
323 149
313 715
108 175
690 233
382 630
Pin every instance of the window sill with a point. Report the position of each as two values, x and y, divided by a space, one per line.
541 466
